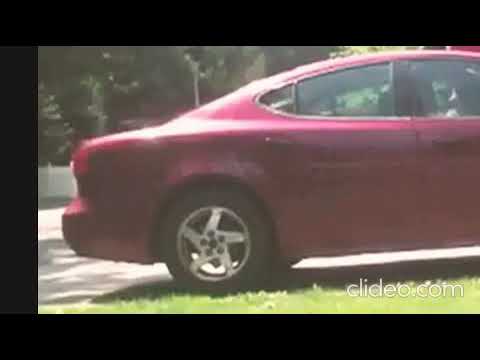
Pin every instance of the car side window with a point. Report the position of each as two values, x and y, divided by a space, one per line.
359 92
280 100
446 89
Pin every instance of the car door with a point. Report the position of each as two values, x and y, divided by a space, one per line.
355 161
447 121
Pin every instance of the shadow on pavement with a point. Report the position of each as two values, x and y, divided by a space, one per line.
336 278
65 278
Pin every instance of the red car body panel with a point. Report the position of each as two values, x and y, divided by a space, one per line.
449 156
330 187
465 48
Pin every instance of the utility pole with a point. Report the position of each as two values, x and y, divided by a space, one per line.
196 78
194 56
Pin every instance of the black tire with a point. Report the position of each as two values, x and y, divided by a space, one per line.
254 273
281 271
283 266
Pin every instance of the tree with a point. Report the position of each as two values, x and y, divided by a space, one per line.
92 90
281 58
359 50
48 119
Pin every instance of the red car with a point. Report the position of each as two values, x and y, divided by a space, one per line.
362 154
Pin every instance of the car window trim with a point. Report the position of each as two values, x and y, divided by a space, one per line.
294 94
403 87
419 119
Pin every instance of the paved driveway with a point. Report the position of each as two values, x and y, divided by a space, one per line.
65 278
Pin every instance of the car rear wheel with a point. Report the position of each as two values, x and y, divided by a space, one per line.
217 240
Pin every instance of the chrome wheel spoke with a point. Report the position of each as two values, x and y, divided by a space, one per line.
192 236
214 221
227 263
232 237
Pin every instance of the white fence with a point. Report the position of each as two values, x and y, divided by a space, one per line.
56 182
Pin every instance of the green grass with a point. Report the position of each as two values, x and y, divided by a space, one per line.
312 300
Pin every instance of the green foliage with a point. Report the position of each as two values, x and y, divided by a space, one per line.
281 58
48 117
359 50
91 90
225 66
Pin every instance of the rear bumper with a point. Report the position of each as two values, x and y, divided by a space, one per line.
104 234
75 226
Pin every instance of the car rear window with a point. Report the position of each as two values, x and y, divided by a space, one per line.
359 92
280 100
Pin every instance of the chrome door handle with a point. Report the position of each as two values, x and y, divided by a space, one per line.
278 141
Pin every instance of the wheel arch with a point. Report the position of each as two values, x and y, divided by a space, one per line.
197 182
